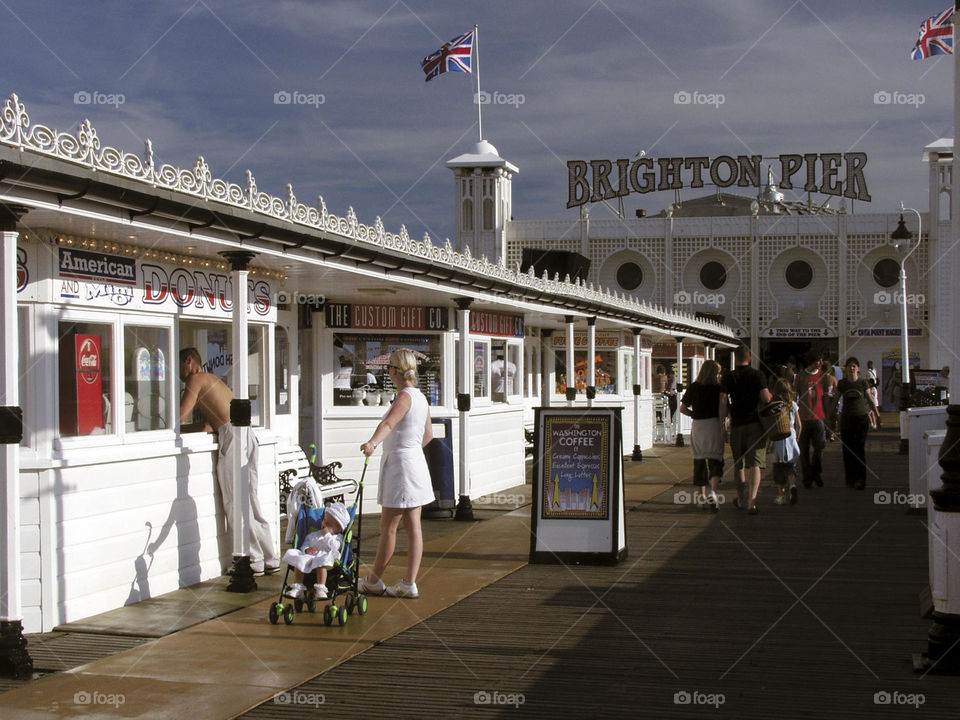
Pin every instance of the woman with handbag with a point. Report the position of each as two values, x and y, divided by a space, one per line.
701 402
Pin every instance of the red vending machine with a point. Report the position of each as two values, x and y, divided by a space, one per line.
81 401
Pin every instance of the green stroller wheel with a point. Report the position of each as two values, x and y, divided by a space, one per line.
329 613
361 604
342 615
349 602
274 613
288 614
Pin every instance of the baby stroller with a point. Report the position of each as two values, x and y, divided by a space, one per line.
342 578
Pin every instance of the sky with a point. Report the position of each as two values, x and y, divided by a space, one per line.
571 80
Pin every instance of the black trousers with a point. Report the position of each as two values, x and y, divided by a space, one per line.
812 436
853 438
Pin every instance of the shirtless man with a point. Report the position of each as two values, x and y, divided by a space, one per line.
207 393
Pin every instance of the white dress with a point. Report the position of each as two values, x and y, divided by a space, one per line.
787 450
328 551
404 475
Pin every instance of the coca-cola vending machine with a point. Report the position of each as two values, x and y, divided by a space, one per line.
81 391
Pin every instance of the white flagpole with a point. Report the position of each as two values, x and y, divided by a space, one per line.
476 44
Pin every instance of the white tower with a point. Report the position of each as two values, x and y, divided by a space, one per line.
484 202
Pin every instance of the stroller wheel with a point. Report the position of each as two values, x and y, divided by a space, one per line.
298 604
275 613
288 614
349 602
342 615
361 604
329 614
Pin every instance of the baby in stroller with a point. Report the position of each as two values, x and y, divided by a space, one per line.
319 551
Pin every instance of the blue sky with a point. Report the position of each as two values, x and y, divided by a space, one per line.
598 80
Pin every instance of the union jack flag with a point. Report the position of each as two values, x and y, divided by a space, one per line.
454 56
936 36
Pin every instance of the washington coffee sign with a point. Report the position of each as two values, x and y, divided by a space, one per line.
828 173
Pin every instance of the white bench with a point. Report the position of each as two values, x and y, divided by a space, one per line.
294 466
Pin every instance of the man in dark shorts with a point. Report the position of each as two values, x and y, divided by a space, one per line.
742 390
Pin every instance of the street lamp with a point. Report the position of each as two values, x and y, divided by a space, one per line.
902 238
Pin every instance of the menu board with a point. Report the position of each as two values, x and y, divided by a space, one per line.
577 514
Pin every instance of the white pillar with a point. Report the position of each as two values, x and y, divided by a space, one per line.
571 370
679 381
591 360
14 659
240 419
464 506
637 385
548 366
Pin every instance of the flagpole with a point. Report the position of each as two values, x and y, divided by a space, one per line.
476 43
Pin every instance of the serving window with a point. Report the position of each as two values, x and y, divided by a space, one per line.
85 353
605 363
213 340
360 361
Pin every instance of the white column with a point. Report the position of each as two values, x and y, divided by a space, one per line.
14 659
637 384
240 522
591 360
548 366
571 370
10 607
464 506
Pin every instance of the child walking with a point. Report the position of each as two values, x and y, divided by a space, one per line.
320 550
784 453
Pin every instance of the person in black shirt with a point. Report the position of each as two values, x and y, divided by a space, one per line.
701 401
741 391
854 422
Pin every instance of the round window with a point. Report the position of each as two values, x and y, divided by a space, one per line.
713 275
886 272
629 276
799 274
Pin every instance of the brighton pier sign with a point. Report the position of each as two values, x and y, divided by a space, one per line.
838 174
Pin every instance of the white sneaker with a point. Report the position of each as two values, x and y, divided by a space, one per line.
781 498
294 591
365 586
320 591
403 589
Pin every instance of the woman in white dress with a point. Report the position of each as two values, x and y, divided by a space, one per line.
405 484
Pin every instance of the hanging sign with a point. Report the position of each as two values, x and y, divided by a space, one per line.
578 509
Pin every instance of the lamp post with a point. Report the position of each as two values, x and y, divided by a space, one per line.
902 238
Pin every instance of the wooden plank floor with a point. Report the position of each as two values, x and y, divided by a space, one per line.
806 611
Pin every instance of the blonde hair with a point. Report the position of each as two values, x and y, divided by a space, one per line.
709 373
406 361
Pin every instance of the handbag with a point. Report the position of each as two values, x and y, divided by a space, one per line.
775 419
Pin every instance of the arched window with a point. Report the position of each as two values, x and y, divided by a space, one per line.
467 219
488 214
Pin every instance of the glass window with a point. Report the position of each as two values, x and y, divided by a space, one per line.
886 272
282 370
146 367
467 222
605 366
360 375
799 274
481 354
504 370
488 214
713 275
629 276
514 369
85 351
256 367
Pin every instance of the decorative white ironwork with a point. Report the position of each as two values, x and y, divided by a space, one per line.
84 149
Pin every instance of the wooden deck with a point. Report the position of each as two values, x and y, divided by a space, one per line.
806 611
